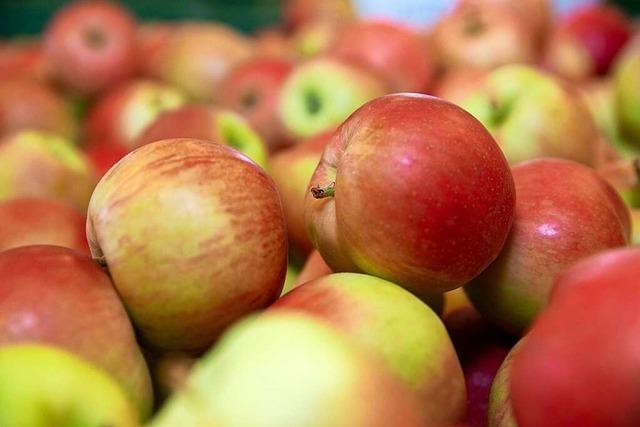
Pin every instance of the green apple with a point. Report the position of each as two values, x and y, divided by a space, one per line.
41 164
627 91
531 115
193 235
291 278
395 325
42 386
287 369
321 93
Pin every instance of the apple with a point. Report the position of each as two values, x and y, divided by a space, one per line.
531 114
291 370
57 296
104 154
500 412
290 278
394 52
635 226
315 38
252 89
624 176
627 92
169 372
455 300
209 222
298 12
292 169
151 40
456 85
41 386
587 40
207 123
31 221
579 363
90 45
24 59
122 114
536 14
273 42
313 268
414 190
199 55
396 326
484 35
564 212
38 164
320 93
27 104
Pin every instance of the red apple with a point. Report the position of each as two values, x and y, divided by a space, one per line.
564 212
122 114
24 59
57 296
412 189
104 154
587 40
252 89
193 235
207 123
314 268
91 44
29 104
273 43
199 55
151 40
481 34
298 12
580 361
31 221
292 169
395 53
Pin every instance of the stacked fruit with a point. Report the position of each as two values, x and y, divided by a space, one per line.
203 228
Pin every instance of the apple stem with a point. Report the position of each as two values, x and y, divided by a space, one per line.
323 192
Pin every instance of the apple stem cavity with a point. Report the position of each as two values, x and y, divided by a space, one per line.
95 38
328 190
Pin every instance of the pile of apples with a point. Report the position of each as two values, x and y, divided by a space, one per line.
333 223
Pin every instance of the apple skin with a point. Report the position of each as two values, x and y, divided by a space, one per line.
208 220
23 59
90 45
315 38
587 336
627 92
37 164
500 413
321 93
483 35
393 52
564 212
38 221
587 40
396 326
532 114
30 105
199 55
436 188
104 154
122 114
313 268
292 370
296 13
624 176
151 40
292 169
252 89
635 226
207 123
456 85
31 395
57 296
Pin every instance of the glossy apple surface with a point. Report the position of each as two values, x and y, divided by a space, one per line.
414 190
208 220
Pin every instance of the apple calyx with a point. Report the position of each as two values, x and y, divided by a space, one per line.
95 38
473 24
328 190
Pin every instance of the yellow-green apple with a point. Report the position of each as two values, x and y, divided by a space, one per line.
627 92
586 41
198 55
395 325
579 363
24 59
414 190
500 411
207 123
315 38
122 114
29 104
624 176
252 89
40 164
635 226
564 212
292 169
482 34
60 297
90 45
209 221
39 221
393 52
320 93
291 278
296 13
532 114
313 268
481 349
291 370
42 386
151 40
